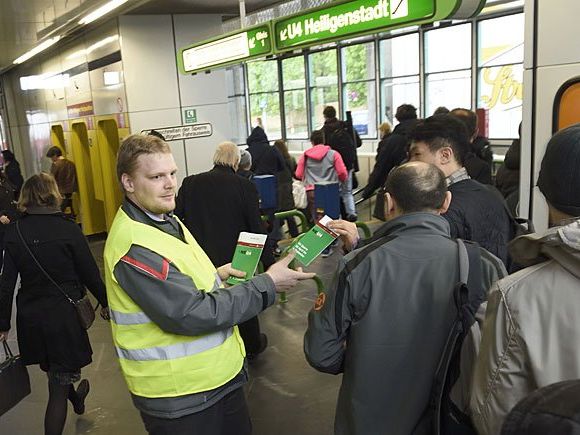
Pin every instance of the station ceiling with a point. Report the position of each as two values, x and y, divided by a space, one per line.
26 23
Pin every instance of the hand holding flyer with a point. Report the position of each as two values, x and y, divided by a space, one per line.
311 244
247 255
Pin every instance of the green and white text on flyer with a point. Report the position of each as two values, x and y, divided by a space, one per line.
311 244
247 255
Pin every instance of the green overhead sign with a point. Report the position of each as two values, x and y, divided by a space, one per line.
227 49
348 19
337 21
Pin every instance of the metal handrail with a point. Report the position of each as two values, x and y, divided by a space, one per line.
294 213
365 228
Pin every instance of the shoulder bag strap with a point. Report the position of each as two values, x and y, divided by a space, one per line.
39 265
7 350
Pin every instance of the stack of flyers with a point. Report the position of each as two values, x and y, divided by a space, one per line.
311 244
247 255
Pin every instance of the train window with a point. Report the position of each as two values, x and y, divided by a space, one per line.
400 56
294 85
359 93
500 91
500 58
399 68
237 103
440 43
501 41
264 96
449 89
448 78
323 84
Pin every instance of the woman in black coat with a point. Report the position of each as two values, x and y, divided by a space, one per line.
48 329
8 212
12 171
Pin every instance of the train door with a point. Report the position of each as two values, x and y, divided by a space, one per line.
90 210
567 105
108 139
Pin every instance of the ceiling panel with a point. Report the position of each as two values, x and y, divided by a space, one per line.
26 23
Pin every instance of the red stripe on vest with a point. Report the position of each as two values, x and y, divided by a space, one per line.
148 269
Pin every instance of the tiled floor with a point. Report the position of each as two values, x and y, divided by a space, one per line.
285 395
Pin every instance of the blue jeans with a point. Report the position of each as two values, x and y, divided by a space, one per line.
346 194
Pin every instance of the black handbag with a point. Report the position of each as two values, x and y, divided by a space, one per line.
379 211
83 307
14 381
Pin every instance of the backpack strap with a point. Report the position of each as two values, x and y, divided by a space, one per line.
468 298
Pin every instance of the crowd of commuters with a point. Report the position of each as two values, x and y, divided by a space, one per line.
440 260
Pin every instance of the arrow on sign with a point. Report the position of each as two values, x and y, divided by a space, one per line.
284 35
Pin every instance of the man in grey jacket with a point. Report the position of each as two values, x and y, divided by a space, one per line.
532 327
385 321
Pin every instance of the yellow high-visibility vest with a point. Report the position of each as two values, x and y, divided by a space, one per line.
156 363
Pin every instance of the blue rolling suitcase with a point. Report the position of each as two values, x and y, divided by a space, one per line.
267 190
327 199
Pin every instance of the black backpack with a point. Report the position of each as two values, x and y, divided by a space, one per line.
554 409
443 415
341 140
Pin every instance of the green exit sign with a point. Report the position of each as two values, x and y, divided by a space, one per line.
190 116
225 50
347 19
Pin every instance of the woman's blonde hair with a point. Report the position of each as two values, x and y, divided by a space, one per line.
384 129
40 190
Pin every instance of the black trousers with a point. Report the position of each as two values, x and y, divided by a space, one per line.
229 416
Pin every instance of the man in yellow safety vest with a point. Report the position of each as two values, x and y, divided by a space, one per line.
174 324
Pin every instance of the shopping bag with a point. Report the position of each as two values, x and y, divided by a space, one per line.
299 194
14 381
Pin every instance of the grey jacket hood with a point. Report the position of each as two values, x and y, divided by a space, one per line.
562 244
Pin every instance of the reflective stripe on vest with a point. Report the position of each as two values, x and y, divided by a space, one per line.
129 318
178 350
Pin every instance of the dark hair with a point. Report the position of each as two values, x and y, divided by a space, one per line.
406 111
442 131
468 117
156 134
8 156
329 112
54 151
417 187
281 145
441 110
317 137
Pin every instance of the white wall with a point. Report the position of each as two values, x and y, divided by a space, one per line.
206 93
158 95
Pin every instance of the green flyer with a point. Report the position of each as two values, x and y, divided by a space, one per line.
311 244
247 255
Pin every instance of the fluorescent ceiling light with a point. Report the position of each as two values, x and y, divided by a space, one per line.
93 47
103 10
44 81
40 47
